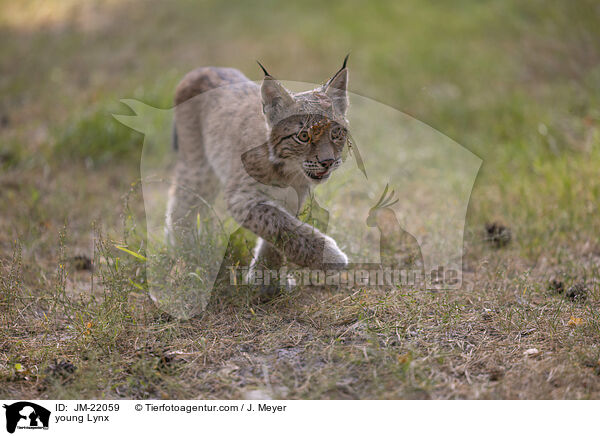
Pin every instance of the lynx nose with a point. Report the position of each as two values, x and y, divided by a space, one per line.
326 163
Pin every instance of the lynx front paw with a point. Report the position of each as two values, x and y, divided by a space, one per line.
332 255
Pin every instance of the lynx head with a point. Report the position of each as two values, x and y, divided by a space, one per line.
307 130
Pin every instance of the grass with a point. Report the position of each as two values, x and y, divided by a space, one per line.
515 83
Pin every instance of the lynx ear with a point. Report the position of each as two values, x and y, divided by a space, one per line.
274 97
337 89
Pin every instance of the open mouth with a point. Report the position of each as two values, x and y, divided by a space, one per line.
318 176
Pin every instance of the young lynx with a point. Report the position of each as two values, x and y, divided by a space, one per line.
249 141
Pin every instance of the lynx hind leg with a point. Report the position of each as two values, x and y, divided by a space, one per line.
195 183
194 188
188 252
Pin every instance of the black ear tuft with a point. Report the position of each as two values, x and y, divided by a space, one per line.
345 61
274 97
337 74
337 88
263 68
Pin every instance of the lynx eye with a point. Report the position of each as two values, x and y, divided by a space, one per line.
303 136
337 134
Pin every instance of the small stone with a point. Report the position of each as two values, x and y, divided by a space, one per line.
496 374
531 352
60 368
487 314
577 292
498 234
556 286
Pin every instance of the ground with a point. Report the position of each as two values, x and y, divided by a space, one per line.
515 83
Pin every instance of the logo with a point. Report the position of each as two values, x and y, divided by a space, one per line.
26 415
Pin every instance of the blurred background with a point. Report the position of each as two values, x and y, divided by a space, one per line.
516 83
